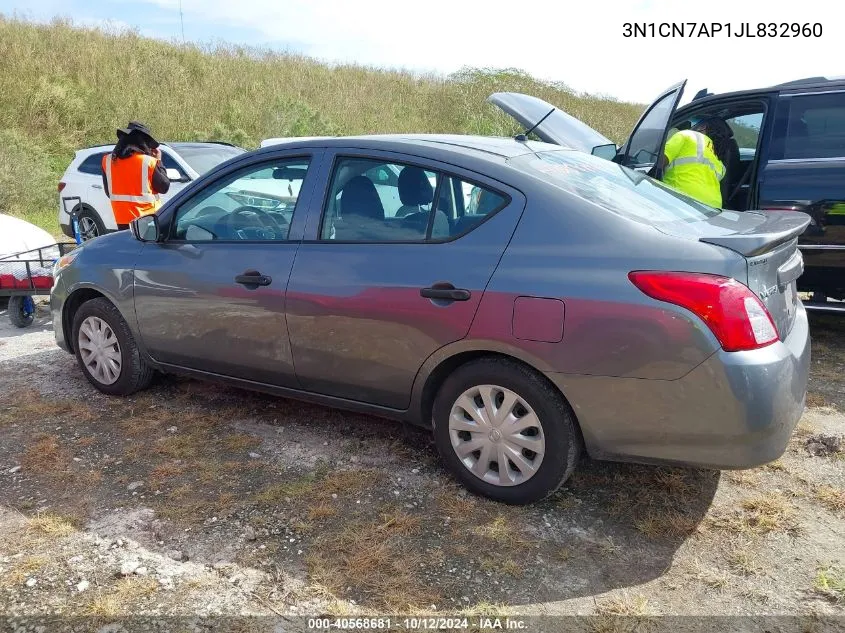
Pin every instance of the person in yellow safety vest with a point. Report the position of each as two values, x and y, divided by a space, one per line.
134 175
694 161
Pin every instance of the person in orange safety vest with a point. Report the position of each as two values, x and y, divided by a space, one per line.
134 175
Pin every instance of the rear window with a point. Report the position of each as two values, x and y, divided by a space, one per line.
93 164
617 189
203 158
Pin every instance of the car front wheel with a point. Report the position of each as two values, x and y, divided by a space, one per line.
106 350
505 432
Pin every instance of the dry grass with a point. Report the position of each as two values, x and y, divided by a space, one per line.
624 605
454 506
803 429
30 404
123 598
50 525
709 576
666 524
744 561
21 570
164 472
374 558
760 515
46 456
815 399
277 493
240 442
743 478
831 498
321 511
320 487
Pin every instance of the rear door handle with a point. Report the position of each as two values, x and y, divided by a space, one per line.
446 292
252 279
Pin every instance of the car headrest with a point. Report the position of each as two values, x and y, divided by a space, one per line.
360 197
414 187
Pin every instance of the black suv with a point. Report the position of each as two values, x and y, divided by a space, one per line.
788 154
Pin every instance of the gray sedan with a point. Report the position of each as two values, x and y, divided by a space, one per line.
526 302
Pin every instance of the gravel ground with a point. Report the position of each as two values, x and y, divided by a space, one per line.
193 499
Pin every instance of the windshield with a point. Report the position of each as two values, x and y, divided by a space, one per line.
203 158
615 188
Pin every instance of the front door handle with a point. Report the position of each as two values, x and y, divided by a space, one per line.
97 186
446 292
252 279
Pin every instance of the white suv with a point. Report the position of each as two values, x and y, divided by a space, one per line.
81 186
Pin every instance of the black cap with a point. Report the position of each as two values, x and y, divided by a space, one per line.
138 128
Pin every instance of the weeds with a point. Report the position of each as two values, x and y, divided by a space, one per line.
225 93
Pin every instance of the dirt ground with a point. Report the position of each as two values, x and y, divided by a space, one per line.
195 499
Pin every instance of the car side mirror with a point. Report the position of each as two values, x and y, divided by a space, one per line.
174 175
145 228
608 151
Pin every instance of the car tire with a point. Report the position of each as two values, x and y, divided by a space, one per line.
518 390
100 335
90 224
18 314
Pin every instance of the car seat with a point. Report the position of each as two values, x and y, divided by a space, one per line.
415 191
361 210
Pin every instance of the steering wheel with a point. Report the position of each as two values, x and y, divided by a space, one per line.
255 218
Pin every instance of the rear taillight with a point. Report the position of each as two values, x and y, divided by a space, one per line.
61 186
734 314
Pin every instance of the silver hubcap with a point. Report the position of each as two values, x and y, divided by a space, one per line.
100 350
88 228
496 435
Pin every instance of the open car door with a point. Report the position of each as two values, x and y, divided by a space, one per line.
552 125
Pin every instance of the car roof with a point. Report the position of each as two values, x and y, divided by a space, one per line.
173 144
491 146
790 87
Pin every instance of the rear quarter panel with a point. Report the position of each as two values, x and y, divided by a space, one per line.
569 249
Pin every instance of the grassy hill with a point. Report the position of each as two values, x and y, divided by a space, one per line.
63 87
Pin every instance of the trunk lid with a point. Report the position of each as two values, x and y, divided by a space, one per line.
768 240
551 124
641 151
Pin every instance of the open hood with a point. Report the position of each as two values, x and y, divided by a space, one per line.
553 125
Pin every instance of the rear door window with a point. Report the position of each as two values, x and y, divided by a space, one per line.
815 126
377 201
93 164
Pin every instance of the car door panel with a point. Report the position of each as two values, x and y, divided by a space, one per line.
360 328
193 313
810 178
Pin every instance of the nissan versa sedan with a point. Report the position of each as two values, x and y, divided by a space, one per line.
526 302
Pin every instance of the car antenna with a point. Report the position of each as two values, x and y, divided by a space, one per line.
524 135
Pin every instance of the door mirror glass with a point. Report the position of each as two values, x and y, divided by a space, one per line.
145 228
608 152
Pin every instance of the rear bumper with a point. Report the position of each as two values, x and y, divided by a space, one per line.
735 410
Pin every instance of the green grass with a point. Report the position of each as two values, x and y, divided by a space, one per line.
63 87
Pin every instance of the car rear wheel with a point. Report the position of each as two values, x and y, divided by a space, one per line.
505 432
106 350
90 225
